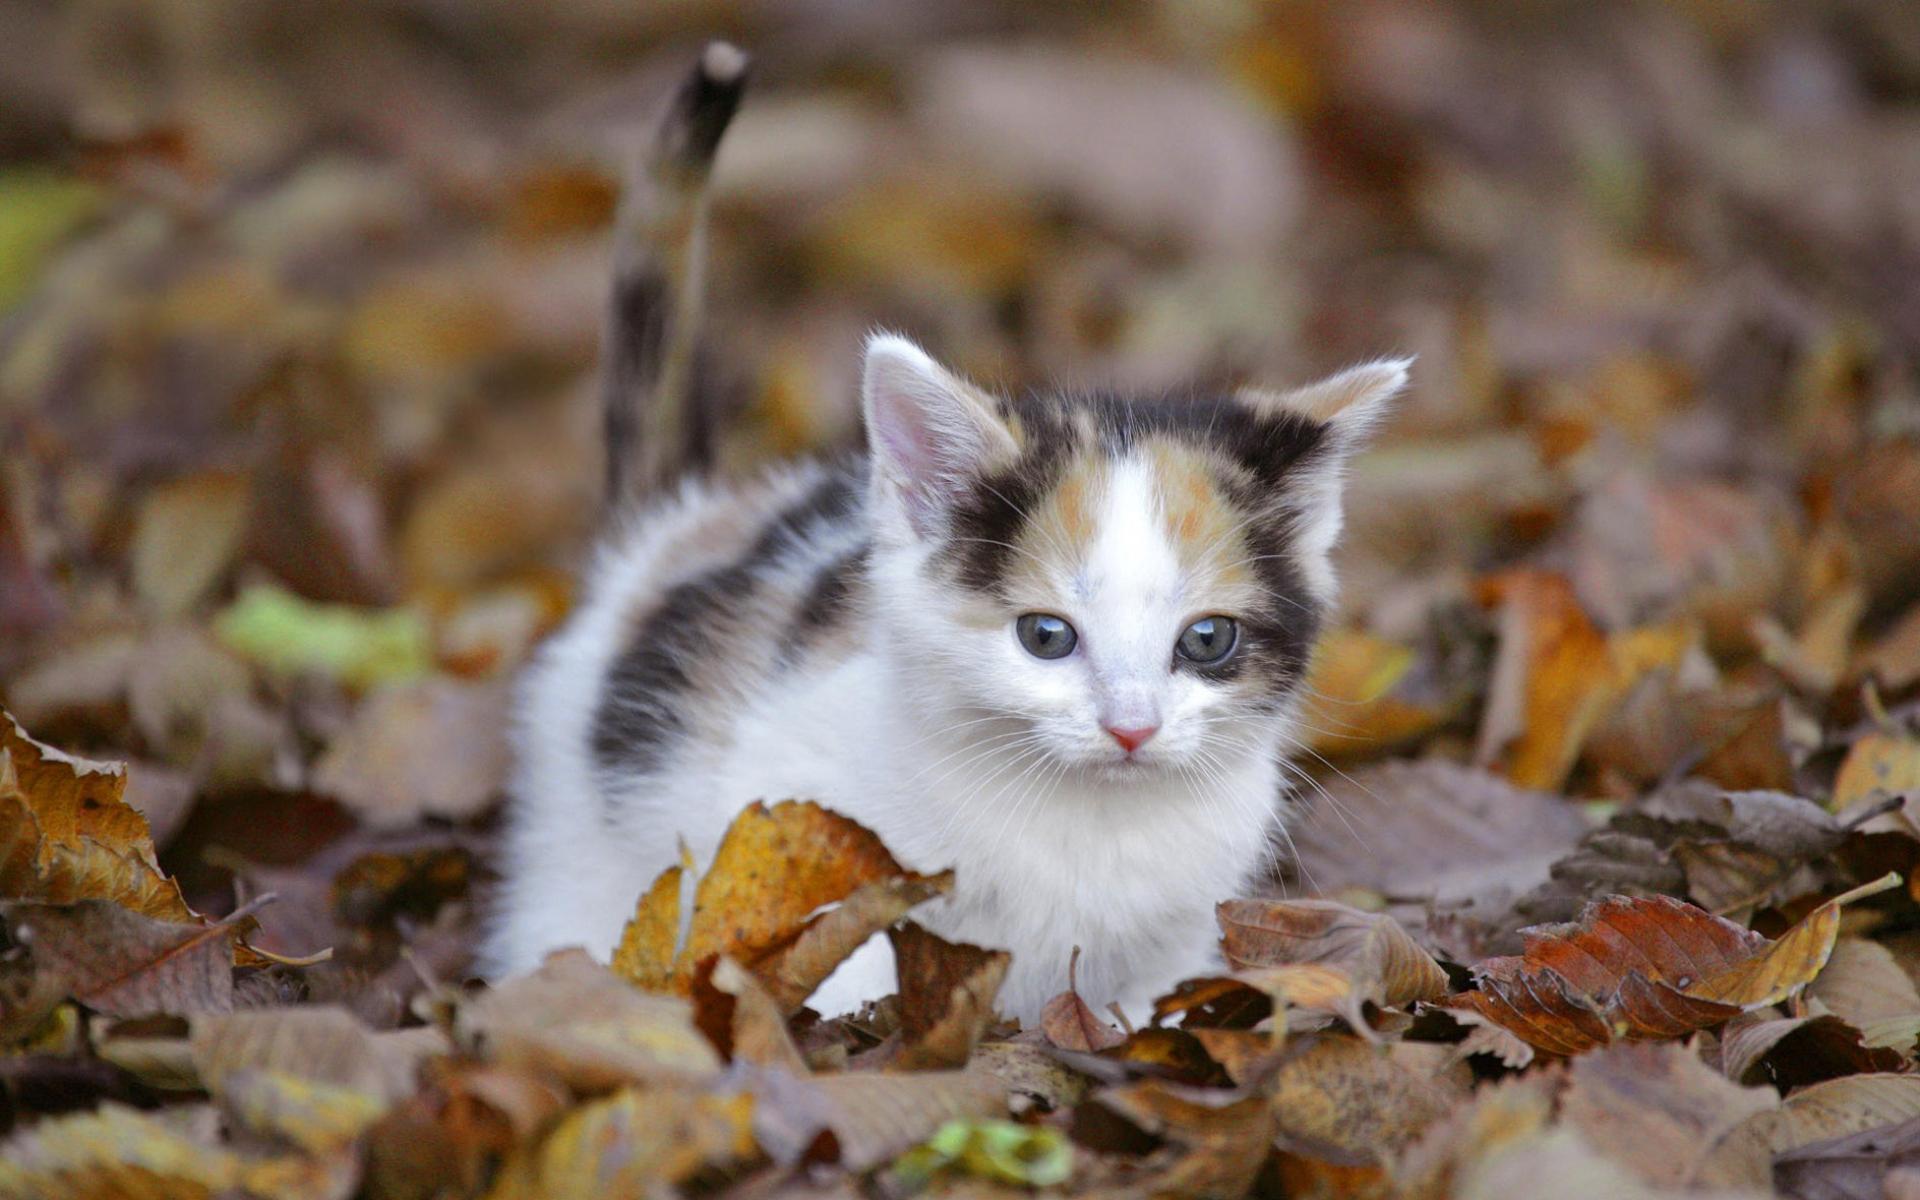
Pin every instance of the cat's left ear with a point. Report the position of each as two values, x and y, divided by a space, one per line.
1350 404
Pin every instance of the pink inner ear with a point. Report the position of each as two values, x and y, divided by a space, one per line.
904 438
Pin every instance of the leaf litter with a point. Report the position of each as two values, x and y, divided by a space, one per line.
1605 858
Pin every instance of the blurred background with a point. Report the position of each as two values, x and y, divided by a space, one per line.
299 305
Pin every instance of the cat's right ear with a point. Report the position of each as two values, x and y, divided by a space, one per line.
930 433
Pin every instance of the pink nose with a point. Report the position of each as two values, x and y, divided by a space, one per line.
1132 739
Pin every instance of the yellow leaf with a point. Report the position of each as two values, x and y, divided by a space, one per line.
66 834
775 871
1878 762
1790 963
636 1143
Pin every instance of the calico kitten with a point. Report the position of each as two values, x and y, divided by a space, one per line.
1054 641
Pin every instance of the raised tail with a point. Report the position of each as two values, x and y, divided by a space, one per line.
647 361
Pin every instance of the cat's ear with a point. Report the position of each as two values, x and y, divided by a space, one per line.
930 433
1349 403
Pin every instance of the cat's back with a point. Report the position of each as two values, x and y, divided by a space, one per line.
695 604
694 610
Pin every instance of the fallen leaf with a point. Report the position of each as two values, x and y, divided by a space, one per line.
358 647
772 873
185 536
317 1044
1222 1136
579 1021
377 766
947 991
66 834
1835 1108
1863 985
313 1116
1385 966
125 964
1557 675
999 1151
635 1142
1790 1052
1790 963
1656 1110
1368 1101
1363 696
1855 1166
872 1118
1894 658
743 1021
1647 968
116 1151
1069 1024
1878 762
1430 831
791 974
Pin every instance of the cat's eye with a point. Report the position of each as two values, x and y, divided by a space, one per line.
1208 640
1045 635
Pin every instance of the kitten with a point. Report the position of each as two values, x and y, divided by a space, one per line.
1054 641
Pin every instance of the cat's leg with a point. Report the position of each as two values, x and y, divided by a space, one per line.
1191 957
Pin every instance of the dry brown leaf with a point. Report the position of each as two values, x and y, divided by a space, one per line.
1358 700
1656 1110
1862 1165
579 1021
1222 1136
742 1021
872 1117
433 747
1068 1023
1835 1108
1864 985
1557 675
1894 659
1878 762
1790 1052
1647 968
66 833
636 1142
774 870
118 1151
1787 965
317 1043
1508 1115
1384 964
792 973
1367 1101
185 535
121 963
947 991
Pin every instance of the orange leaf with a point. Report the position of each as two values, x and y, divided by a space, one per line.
1643 968
774 873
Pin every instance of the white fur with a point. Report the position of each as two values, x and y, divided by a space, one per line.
945 737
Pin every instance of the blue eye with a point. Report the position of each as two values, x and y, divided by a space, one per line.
1208 640
1045 635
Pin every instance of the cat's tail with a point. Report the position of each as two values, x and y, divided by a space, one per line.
647 360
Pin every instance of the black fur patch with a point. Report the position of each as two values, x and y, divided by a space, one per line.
639 713
835 593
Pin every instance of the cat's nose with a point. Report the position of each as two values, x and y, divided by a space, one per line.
1134 738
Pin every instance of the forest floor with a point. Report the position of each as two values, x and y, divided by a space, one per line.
1606 866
